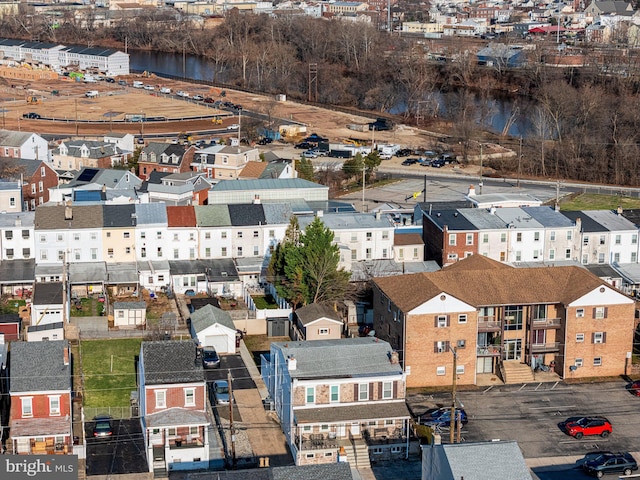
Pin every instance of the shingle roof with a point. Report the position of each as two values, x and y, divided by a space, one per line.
183 216
342 221
47 293
151 214
498 286
39 366
450 219
382 411
27 167
176 417
314 311
253 170
333 471
129 305
610 220
118 215
328 358
277 213
487 461
548 217
10 138
96 149
246 214
264 184
82 216
589 225
17 271
212 216
171 361
209 315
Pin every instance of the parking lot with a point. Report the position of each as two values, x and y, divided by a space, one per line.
531 414
121 453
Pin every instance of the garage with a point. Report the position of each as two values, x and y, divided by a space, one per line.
219 342
213 327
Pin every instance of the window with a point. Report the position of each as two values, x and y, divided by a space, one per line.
469 238
161 398
12 201
618 239
54 405
207 235
127 250
323 331
368 253
602 239
26 252
354 254
513 317
189 397
25 234
567 253
239 234
272 233
223 252
94 236
387 390
40 186
503 238
462 318
94 254
579 337
43 255
442 321
27 407
579 312
585 240
536 236
239 251
159 251
363 392
334 393
369 236
452 256
552 236
452 239
440 347
176 253
110 252
600 312
193 431
160 278
441 371
519 237
552 254
311 395
255 234
415 253
634 257
143 234
616 257
578 362
59 237
385 235
8 234
33 189
485 238
599 337
601 258
597 362
223 234
207 252
159 235
459 369
9 253
634 239
143 252
126 234
518 256
256 251
569 235
536 254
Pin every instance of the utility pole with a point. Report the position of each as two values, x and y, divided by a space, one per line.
424 190
76 102
364 169
480 182
519 162
452 423
231 429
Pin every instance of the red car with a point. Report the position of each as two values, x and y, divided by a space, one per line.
579 427
635 388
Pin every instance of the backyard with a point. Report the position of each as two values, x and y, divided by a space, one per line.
109 372
87 307
9 305
587 201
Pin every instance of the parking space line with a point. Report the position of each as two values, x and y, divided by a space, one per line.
539 385
523 385
554 385
490 387
552 407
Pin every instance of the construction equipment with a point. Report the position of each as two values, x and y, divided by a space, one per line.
216 120
352 141
33 100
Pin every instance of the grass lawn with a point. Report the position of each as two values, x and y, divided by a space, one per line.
264 302
11 306
104 387
588 201
90 307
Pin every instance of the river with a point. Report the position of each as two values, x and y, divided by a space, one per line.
494 113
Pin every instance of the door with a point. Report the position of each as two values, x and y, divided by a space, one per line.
218 342
341 430
484 365
355 429
539 337
513 349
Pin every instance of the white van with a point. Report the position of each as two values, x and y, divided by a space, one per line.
165 90
138 84
92 94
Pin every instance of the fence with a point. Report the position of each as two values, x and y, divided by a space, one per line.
115 412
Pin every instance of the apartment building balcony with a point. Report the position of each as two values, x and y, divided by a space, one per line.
191 443
489 324
545 347
544 323
488 350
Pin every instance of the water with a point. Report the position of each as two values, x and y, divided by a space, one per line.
494 113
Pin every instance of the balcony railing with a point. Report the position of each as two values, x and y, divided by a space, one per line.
489 350
545 347
488 324
546 323
195 443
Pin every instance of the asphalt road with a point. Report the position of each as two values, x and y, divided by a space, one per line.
530 414
122 453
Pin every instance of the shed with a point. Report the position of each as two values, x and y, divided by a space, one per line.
47 306
44 332
318 321
213 327
129 314
10 326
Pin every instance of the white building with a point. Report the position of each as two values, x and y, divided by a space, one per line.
10 197
152 242
17 235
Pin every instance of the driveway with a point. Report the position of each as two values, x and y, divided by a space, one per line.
122 453
239 373
530 414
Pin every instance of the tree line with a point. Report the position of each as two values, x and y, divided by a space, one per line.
583 123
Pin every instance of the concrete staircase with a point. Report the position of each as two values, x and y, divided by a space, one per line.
516 372
357 453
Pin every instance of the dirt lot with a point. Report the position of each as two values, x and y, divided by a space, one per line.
114 101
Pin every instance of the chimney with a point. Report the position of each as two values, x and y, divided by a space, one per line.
198 360
18 222
472 191
66 355
619 210
579 224
68 212
492 210
256 199
292 363
378 215
104 188
395 358
319 213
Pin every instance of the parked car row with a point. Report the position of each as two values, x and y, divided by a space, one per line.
598 464
430 159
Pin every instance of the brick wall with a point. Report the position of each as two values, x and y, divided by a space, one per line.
40 406
175 397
